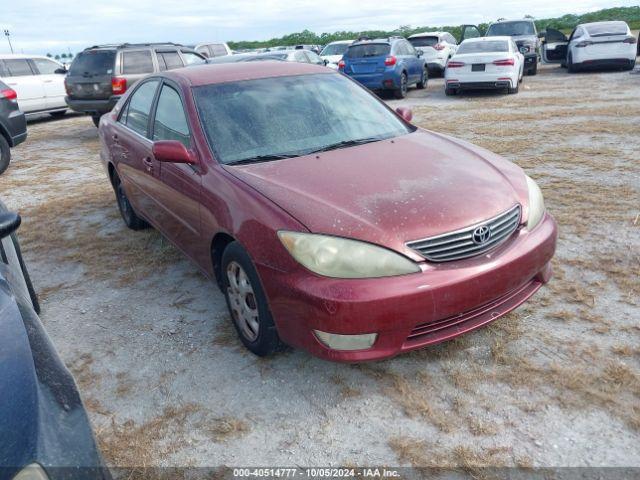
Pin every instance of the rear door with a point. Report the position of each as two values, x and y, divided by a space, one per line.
554 45
23 79
179 187
416 62
135 64
469 31
132 146
90 75
168 60
53 82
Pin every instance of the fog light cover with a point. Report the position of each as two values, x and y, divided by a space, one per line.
346 342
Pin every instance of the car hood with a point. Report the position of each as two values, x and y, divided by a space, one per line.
393 191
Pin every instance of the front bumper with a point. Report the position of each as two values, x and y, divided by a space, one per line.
410 311
92 106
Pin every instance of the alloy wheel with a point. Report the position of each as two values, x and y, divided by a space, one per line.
242 299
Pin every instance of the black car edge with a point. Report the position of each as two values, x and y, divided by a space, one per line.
13 125
45 431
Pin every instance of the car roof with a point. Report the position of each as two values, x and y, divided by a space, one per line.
123 46
208 74
18 56
427 34
512 20
340 41
487 39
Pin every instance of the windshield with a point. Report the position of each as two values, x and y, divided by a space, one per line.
604 29
511 29
483 47
290 116
335 49
93 62
368 50
424 41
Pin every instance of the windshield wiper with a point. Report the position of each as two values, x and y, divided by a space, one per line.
345 144
264 158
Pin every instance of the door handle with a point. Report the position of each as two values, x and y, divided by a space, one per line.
148 163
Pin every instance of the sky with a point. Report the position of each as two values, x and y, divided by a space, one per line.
60 26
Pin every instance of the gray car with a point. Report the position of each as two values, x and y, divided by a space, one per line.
13 126
100 75
301 56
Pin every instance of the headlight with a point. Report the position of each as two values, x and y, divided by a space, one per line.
536 204
31 472
341 258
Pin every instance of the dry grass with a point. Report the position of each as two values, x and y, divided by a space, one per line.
225 428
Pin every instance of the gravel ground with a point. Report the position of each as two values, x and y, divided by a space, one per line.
166 383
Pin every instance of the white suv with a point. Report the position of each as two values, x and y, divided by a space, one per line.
38 81
437 47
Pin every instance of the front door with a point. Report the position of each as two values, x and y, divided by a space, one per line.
179 189
52 82
554 46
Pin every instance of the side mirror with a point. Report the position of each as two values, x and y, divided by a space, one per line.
326 62
9 223
60 71
405 113
172 151
541 34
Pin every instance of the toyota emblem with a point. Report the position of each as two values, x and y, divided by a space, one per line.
481 235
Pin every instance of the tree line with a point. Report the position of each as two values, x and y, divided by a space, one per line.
631 15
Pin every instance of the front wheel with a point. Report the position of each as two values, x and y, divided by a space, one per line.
422 84
533 70
401 92
5 154
129 216
247 302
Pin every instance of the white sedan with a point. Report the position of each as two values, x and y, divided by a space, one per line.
598 44
485 63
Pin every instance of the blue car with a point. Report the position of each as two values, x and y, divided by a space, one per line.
390 64
44 430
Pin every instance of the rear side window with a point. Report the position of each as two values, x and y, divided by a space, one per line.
17 67
484 47
93 62
191 58
170 121
368 50
137 62
137 115
424 41
169 60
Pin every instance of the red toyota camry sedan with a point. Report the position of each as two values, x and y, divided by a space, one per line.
329 221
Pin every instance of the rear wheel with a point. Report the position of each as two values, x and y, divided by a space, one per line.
96 120
5 154
58 114
131 219
401 92
247 302
450 91
514 90
570 65
422 84
631 66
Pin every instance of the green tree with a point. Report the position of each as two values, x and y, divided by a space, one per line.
64 55
49 55
57 57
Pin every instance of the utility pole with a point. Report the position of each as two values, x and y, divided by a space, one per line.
8 35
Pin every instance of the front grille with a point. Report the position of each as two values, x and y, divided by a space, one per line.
469 241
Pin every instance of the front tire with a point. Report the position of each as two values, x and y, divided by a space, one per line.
5 154
401 92
422 84
247 302
533 70
129 216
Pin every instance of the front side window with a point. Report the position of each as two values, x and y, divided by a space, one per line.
191 58
46 67
170 122
137 62
139 107
17 67
255 120
218 50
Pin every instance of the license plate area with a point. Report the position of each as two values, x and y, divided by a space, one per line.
478 67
